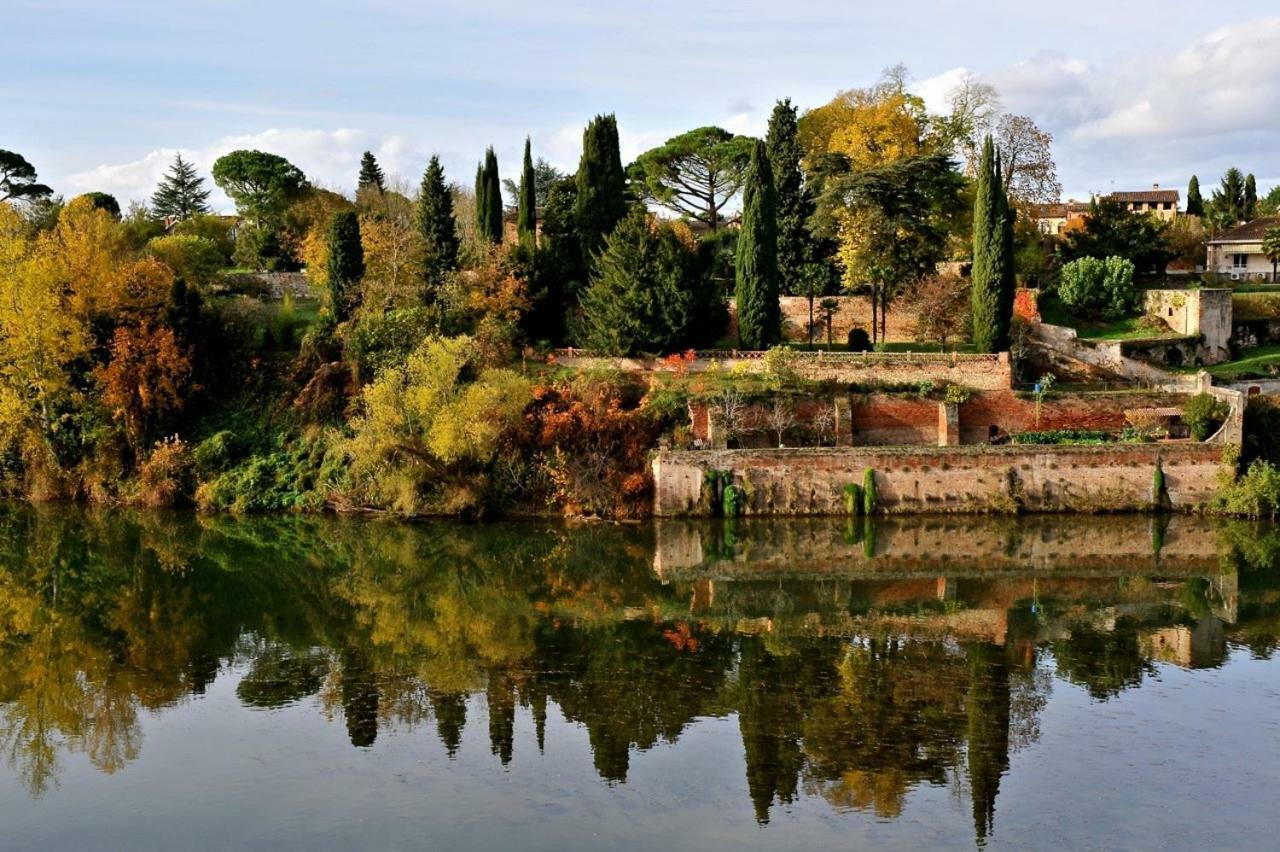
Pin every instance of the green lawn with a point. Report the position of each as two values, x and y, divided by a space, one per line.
1253 363
1256 305
1127 328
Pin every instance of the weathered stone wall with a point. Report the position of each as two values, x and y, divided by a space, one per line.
853 312
939 479
978 372
1204 313
1067 355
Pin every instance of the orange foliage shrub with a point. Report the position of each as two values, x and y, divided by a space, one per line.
146 379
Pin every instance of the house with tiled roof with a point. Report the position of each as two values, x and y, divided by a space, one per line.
1052 218
1237 253
1162 203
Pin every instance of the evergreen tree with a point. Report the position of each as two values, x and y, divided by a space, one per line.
602 184
527 208
1228 199
346 263
650 292
371 176
757 285
437 228
1195 202
795 245
181 193
558 274
992 275
1250 198
489 199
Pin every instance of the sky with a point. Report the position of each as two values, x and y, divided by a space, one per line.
100 96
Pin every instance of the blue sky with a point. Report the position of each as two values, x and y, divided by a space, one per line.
100 95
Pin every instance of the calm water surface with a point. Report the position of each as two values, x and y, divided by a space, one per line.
172 681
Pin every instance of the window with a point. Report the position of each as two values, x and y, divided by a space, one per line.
1168 205
1239 261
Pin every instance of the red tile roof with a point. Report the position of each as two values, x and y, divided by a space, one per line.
1147 195
1249 232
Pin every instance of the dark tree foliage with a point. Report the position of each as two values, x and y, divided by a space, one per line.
346 263
437 228
694 174
756 272
1113 230
527 206
992 289
558 275
489 199
544 175
181 193
1195 202
18 179
602 185
1250 197
795 205
104 201
650 292
1228 201
371 176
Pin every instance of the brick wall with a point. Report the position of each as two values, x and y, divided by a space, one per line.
940 479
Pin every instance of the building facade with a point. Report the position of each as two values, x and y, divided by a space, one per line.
1237 254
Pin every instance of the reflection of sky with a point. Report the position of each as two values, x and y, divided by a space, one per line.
1189 759
99 95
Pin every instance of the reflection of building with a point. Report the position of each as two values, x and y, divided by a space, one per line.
1201 646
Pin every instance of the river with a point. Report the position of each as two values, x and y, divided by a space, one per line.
169 680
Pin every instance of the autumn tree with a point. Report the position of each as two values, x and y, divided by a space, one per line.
694 174
181 193
345 266
18 179
437 227
144 381
392 252
600 201
1028 172
757 281
195 260
940 306
867 127
371 176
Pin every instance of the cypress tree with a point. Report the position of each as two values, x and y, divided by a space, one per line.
992 275
437 227
181 193
759 314
602 184
482 207
794 204
371 176
346 263
1195 202
527 209
489 199
1250 198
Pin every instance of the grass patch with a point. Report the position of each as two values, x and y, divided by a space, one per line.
1137 327
1255 305
1253 363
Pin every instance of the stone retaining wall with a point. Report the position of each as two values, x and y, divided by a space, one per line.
939 479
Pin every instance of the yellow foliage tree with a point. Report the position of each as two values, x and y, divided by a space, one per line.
392 260
871 127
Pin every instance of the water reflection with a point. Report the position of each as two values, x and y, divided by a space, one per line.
860 661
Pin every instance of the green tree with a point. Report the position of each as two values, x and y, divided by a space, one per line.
18 179
694 174
601 200
181 193
437 228
1111 229
371 176
1226 207
1094 286
559 275
795 205
345 265
489 199
1195 203
756 275
650 292
1250 208
262 185
1271 248
544 176
992 275
527 208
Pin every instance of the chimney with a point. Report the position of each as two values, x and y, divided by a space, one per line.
1155 186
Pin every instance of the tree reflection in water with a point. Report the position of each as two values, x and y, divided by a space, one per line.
851 686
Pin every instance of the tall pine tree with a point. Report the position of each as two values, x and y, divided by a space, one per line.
794 203
489 199
992 275
181 193
602 184
757 284
346 263
527 207
1195 201
371 176
437 228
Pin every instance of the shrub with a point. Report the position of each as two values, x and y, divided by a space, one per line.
1255 495
1203 414
195 260
1096 287
859 340
870 498
377 341
216 453
956 394
1062 436
165 477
